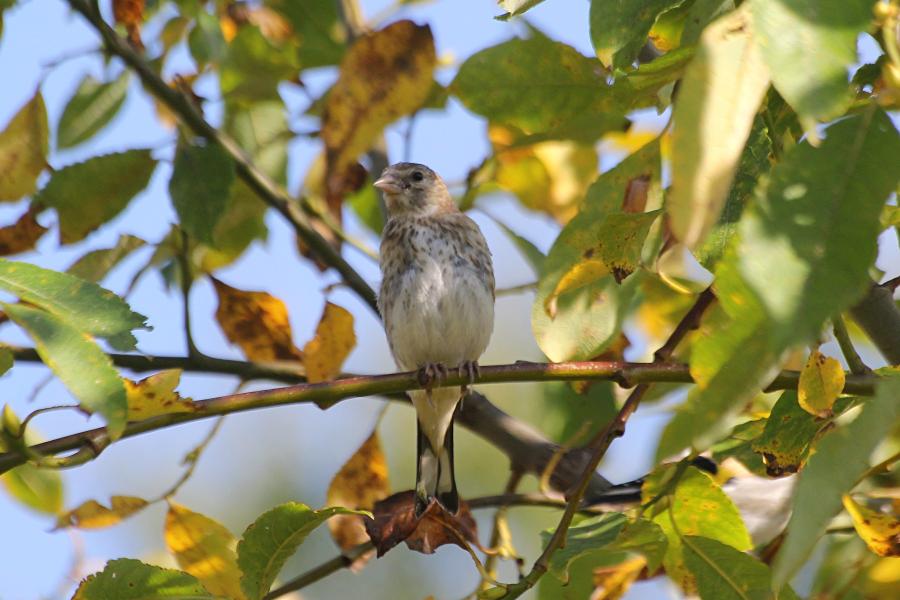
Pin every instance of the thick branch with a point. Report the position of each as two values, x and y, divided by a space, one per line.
879 317
269 191
328 393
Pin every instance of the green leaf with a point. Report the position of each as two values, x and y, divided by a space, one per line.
529 251
6 360
129 579
263 133
720 93
565 413
698 507
273 538
785 441
90 109
254 66
323 37
841 457
85 306
200 186
205 40
23 150
96 264
86 195
78 362
367 206
36 488
807 244
515 8
809 46
723 573
588 318
619 29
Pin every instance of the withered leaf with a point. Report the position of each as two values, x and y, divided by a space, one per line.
257 322
23 150
93 515
395 521
880 531
334 339
21 235
360 483
383 76
156 395
130 14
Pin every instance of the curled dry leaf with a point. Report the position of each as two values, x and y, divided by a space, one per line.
257 322
334 339
360 483
383 76
395 521
880 531
21 235
155 395
93 515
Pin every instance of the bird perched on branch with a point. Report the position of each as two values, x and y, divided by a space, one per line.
437 303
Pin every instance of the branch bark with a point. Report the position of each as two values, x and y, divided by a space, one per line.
879 317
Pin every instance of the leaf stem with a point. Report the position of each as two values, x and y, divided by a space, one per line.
857 366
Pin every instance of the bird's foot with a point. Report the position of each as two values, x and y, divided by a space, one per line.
431 375
470 370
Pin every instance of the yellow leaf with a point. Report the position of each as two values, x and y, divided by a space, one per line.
21 235
257 322
821 382
23 150
334 340
93 515
383 76
580 275
156 395
612 582
360 483
880 531
205 549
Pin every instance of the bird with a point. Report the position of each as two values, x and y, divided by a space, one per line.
437 304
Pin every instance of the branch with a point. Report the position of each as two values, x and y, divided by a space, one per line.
269 191
879 317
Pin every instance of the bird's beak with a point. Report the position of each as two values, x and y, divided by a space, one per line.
388 184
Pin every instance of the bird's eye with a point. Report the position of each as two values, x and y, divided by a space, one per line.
417 176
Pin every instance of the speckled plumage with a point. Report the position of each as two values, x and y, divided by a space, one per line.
436 300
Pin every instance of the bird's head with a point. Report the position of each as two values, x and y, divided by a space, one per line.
415 190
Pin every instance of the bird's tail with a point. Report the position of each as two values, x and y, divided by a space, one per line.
435 477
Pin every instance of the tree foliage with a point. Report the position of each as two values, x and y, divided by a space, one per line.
771 183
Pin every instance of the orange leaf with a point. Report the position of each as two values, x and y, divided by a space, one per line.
360 483
205 549
156 395
21 235
130 13
257 322
93 515
383 76
334 340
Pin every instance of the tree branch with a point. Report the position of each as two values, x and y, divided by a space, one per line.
878 316
269 191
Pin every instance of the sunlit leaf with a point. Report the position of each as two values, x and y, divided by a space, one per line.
808 46
129 579
840 458
360 483
155 395
724 573
325 353
201 181
21 235
257 322
515 8
720 93
88 194
79 363
205 549
880 531
318 26
619 29
84 305
96 264
821 382
93 515
23 150
90 109
254 65
384 76
272 539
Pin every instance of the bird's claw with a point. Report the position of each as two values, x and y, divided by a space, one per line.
431 374
470 370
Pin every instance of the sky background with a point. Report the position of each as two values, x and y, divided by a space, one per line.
263 458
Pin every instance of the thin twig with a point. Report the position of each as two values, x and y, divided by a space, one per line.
193 458
854 361
490 563
187 281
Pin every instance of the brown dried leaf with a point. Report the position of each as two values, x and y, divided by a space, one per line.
395 521
334 339
21 235
155 395
257 322
130 14
93 515
383 76
360 483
